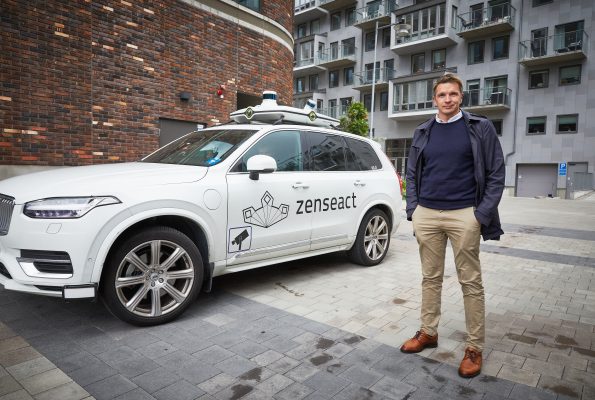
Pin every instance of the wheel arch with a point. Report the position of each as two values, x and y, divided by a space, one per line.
184 223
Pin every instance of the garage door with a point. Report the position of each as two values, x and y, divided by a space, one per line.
537 180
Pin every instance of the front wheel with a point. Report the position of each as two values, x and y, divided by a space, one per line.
373 239
153 276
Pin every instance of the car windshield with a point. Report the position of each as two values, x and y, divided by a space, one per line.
201 148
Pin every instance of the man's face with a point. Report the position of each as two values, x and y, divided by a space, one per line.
448 98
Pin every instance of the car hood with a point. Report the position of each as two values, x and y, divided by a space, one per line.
105 179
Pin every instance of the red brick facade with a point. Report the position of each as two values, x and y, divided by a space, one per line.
84 82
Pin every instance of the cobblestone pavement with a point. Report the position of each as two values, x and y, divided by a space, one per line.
325 329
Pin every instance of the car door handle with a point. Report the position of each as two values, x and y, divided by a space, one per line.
359 183
298 185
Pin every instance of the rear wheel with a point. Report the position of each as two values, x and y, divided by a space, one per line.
153 276
373 239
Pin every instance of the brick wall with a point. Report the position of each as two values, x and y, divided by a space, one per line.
84 82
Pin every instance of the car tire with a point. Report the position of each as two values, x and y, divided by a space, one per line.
144 292
373 239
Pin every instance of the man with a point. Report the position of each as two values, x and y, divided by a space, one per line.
455 180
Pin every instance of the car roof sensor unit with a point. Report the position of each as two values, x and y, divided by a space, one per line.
270 112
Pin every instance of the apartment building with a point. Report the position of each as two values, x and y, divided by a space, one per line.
525 64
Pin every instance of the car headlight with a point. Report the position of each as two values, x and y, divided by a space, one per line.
66 207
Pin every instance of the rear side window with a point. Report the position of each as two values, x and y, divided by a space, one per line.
325 152
365 156
284 146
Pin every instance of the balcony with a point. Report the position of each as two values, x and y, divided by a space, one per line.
366 17
335 4
487 99
307 66
569 46
412 100
307 10
487 21
307 94
337 56
364 79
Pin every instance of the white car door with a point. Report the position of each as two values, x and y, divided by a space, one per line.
263 222
337 201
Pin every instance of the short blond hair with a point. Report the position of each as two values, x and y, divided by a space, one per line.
448 78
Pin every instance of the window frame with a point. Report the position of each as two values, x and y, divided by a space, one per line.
418 56
580 73
334 72
347 82
507 55
558 131
499 122
482 52
546 80
334 21
348 13
384 101
369 44
539 132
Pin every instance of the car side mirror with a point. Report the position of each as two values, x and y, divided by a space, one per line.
260 164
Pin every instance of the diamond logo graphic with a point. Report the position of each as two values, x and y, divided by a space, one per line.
267 215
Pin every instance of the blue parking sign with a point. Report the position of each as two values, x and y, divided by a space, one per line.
562 169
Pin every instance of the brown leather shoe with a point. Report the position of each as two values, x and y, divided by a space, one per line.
420 341
471 364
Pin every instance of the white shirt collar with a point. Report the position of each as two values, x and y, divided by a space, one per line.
454 118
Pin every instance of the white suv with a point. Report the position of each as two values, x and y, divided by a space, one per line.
149 235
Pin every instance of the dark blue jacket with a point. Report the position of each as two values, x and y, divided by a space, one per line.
489 171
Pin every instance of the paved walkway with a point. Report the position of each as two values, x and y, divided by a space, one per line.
326 329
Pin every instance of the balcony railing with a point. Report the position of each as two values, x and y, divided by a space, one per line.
305 10
564 46
375 11
335 54
334 112
382 75
490 97
493 19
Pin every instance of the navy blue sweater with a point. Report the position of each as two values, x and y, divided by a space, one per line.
447 177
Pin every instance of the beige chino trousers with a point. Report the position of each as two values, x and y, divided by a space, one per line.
432 229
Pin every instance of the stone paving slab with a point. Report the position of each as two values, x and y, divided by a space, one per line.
323 328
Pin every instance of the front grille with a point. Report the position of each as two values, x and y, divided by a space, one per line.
6 207
52 262
4 271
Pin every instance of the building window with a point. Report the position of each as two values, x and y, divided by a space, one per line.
500 48
386 37
496 90
348 47
475 54
333 79
313 82
300 85
418 63
453 18
368 102
335 21
412 96
301 30
425 23
369 42
348 74
569 37
570 75
332 108
536 125
539 79
251 4
383 101
397 151
350 16
319 105
438 59
314 26
537 3
345 103
389 69
498 125
567 123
